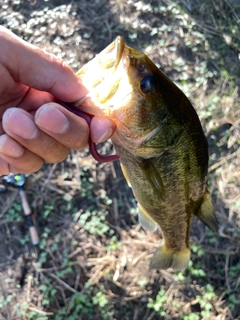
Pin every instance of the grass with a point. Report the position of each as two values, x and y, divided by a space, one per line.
93 258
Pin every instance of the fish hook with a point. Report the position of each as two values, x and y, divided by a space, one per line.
92 146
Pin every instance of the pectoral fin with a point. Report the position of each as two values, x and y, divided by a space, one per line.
146 221
206 212
153 177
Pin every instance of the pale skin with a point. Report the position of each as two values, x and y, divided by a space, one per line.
33 128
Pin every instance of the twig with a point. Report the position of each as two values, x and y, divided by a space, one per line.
41 312
221 252
46 182
78 276
226 272
115 210
8 203
67 286
233 11
221 162
29 285
151 315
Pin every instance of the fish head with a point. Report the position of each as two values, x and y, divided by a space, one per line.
126 86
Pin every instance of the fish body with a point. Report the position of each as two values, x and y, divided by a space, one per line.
159 138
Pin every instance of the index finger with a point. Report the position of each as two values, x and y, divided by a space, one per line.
38 69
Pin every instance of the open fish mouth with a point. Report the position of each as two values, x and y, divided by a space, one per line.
102 75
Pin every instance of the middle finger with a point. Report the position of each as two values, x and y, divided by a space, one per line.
20 125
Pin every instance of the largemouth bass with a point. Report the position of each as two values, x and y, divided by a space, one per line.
160 142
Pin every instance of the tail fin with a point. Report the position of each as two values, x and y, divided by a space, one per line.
164 259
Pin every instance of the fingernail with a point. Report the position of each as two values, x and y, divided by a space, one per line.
10 147
50 118
105 135
17 121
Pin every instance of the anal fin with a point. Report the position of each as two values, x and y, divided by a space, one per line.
146 221
144 218
206 212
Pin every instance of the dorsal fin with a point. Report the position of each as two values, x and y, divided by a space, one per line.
206 212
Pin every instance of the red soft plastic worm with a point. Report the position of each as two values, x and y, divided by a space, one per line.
92 146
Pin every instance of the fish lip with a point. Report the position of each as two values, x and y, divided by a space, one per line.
103 66
114 50
119 47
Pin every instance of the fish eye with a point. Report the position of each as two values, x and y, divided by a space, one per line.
147 84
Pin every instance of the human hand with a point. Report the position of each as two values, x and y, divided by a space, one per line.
33 128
